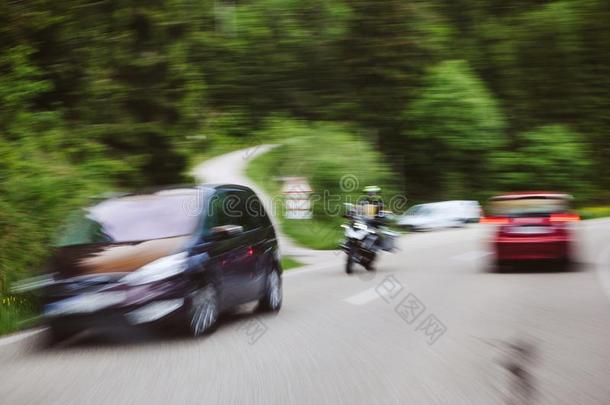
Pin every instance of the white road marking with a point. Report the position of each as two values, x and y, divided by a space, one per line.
603 269
364 297
19 336
471 256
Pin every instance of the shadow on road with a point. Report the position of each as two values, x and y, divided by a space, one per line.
538 266
139 336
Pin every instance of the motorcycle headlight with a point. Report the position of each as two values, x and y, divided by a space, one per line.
158 270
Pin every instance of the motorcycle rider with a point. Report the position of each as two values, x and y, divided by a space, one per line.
366 234
371 208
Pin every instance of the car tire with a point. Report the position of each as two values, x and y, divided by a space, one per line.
501 266
271 300
57 334
566 264
204 311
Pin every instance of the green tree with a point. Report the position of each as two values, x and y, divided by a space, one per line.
267 56
455 124
37 184
385 53
552 157
547 61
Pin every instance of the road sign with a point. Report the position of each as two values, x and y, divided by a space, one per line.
297 202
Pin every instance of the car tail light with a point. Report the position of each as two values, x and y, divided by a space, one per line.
494 220
564 218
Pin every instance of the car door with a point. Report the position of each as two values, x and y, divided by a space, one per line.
428 218
229 254
247 212
446 215
262 240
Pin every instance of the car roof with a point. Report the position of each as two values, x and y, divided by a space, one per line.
532 194
224 186
450 202
167 190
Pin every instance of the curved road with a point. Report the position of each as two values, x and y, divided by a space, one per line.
230 168
432 326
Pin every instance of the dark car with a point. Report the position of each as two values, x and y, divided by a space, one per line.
174 257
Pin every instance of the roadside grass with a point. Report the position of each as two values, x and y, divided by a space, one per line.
288 262
15 313
312 233
594 212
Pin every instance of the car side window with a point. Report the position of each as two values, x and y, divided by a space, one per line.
235 207
256 212
216 214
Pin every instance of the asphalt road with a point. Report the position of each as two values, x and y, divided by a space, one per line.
431 326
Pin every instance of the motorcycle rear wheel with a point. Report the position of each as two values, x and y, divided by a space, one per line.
349 262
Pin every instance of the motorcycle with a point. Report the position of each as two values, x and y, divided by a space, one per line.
363 240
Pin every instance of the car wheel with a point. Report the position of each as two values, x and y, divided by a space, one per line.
57 334
272 298
204 311
566 264
501 266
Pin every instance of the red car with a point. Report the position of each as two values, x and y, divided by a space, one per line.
532 226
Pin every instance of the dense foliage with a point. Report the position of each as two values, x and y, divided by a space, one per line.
455 123
460 98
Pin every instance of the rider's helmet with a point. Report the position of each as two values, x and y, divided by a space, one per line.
372 192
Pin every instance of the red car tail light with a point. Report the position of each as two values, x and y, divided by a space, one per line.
494 220
564 218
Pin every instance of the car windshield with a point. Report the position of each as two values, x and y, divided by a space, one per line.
165 214
414 210
529 206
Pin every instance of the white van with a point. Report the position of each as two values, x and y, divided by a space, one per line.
445 214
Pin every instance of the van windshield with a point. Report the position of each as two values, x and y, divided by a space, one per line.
414 210
134 218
